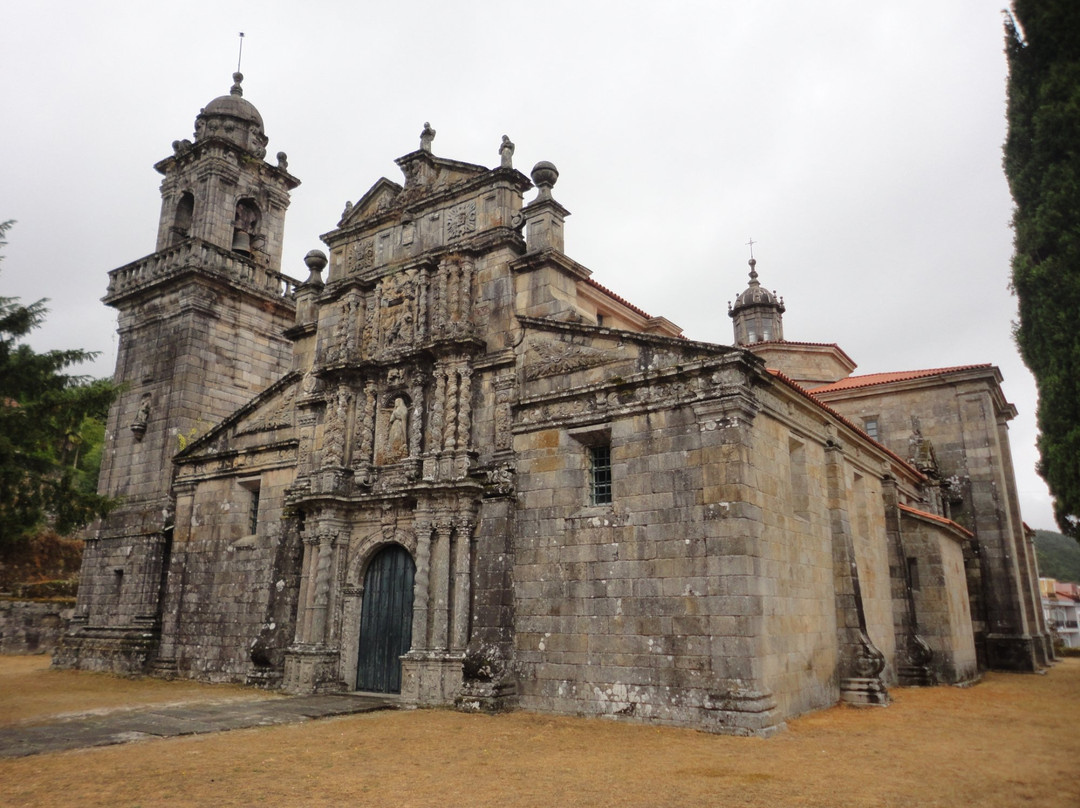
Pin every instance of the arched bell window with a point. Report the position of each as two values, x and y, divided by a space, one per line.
185 212
245 226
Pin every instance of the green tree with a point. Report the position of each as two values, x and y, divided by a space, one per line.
1042 164
48 430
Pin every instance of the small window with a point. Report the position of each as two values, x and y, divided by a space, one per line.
251 485
870 427
913 572
600 319
800 482
600 475
253 514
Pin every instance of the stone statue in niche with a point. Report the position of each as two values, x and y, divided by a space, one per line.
397 432
138 426
394 442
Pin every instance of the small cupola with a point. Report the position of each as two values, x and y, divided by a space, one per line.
233 118
758 313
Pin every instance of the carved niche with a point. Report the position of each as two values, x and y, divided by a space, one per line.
392 429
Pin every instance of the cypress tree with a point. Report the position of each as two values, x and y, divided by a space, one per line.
1042 164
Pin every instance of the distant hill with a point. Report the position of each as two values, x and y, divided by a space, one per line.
1059 556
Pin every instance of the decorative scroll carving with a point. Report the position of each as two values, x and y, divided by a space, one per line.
561 357
499 481
461 220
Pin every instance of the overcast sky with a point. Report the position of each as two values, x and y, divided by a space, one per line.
858 143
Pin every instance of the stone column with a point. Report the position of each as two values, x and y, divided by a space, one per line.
441 314
307 589
421 585
422 284
464 419
454 283
462 585
367 424
467 267
440 580
321 599
438 410
416 393
450 429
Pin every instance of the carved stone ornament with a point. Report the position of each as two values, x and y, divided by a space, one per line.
363 255
552 358
869 662
499 481
461 220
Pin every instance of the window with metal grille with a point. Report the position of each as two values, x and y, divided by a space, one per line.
600 475
253 514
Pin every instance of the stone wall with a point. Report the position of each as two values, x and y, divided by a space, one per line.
228 612
28 627
939 592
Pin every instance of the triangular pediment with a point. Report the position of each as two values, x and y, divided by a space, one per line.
557 355
267 419
380 197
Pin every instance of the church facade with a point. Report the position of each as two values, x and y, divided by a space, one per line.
449 465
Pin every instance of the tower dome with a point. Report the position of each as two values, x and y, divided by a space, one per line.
233 118
757 313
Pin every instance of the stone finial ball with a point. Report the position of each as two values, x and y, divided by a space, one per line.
544 174
316 260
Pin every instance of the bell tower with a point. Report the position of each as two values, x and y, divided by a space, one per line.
201 332
757 314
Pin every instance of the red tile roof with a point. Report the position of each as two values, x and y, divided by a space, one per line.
871 379
934 517
618 299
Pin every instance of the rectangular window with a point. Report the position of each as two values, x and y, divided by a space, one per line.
600 475
253 514
870 427
251 485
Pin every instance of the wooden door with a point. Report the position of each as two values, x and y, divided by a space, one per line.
386 620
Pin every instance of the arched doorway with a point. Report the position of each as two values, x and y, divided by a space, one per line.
385 620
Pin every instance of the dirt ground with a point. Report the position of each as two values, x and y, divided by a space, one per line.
1007 742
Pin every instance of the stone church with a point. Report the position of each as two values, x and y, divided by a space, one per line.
449 465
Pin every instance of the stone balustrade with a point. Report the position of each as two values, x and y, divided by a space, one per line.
196 253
